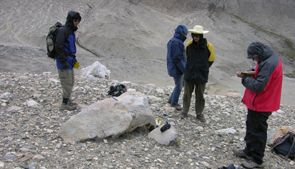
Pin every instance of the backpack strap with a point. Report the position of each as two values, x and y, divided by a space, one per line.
292 135
280 140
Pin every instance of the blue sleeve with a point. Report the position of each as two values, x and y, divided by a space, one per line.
177 51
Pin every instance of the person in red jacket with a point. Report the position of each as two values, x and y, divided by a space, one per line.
262 96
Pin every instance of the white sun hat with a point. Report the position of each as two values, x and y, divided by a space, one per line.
198 29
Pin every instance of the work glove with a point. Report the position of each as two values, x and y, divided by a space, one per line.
65 65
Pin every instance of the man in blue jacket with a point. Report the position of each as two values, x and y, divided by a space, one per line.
176 62
65 58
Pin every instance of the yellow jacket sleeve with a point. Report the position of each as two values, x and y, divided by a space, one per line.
188 43
212 51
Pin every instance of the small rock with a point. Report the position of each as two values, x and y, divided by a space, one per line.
39 157
1 164
8 157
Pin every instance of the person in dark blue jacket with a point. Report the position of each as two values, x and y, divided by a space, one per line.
66 59
176 62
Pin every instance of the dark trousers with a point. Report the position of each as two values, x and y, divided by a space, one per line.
189 88
256 134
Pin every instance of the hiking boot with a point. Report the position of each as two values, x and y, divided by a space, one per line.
71 103
252 164
177 107
201 118
182 115
241 154
67 107
169 101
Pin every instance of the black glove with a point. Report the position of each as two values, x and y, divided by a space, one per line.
74 56
65 65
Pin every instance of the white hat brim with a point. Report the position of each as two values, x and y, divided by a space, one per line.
194 31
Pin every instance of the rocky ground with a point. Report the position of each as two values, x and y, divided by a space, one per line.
30 120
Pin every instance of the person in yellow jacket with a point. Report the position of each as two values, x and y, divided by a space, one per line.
200 56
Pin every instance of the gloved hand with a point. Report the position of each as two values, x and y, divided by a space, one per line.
65 65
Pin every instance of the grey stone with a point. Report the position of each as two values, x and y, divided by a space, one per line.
166 138
3 85
32 103
227 131
6 95
109 118
8 157
1 164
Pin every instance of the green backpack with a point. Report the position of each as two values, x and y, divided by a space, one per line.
50 40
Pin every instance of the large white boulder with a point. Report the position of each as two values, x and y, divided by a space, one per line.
109 117
96 70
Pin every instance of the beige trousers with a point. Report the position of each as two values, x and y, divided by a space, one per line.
67 82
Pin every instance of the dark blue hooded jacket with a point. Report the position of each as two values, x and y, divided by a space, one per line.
65 42
176 60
